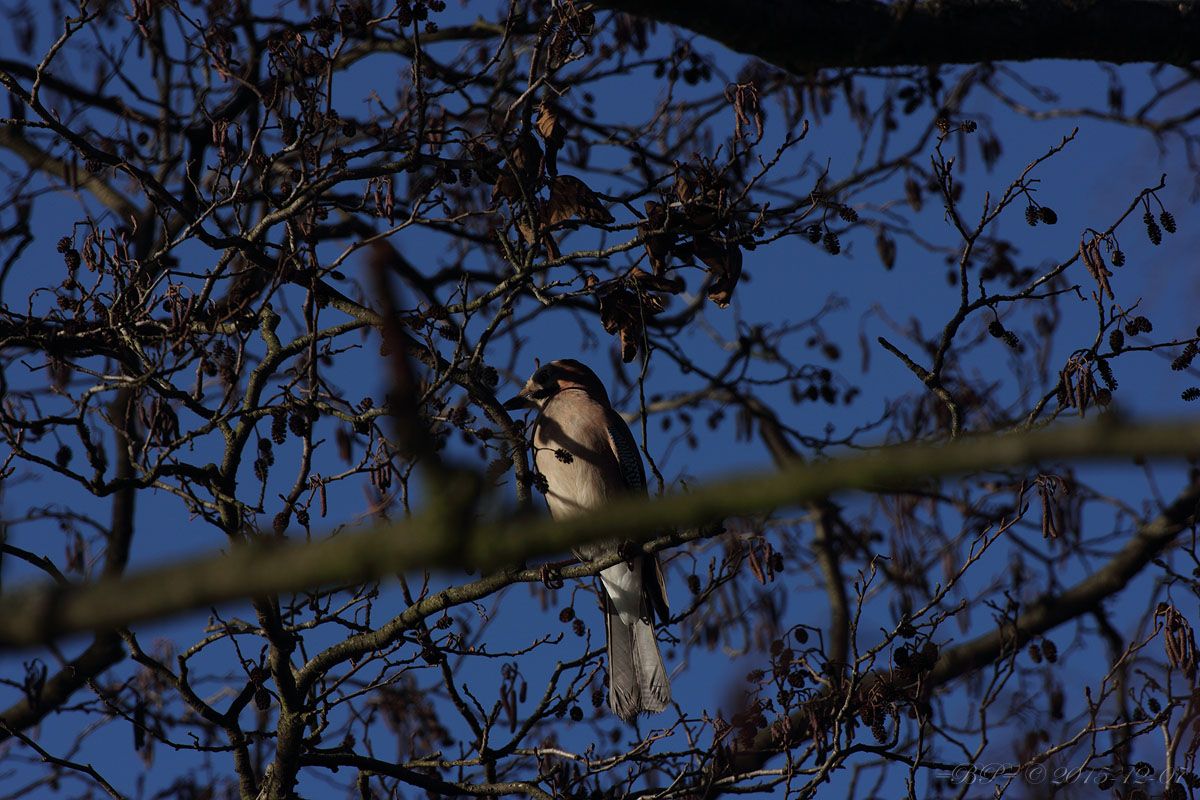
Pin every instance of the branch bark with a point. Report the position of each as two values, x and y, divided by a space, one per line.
41 614
803 37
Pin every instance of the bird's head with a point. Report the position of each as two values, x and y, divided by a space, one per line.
557 376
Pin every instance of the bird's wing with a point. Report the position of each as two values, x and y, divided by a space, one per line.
624 447
633 475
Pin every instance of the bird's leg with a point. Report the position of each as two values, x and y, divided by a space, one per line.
629 551
551 572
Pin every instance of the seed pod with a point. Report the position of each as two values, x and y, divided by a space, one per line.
1168 221
885 246
1184 359
298 424
1065 391
1047 215
831 243
279 421
1152 229
912 193
1031 216
1057 700
1089 253
1083 393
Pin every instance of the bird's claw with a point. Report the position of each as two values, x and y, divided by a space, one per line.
551 576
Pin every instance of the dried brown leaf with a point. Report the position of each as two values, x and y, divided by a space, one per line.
658 245
724 262
622 312
656 283
1089 253
549 125
570 198
506 188
525 159
547 240
755 567
553 133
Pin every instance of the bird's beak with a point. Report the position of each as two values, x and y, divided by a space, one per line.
518 402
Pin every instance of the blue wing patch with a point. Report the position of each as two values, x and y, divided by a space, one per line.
633 474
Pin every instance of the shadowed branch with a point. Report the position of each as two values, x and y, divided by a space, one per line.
41 614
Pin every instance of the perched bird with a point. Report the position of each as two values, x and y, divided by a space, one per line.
588 456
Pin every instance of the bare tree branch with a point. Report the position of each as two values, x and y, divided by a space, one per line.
43 614
1006 640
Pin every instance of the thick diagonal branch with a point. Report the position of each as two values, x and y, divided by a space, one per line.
805 36
38 615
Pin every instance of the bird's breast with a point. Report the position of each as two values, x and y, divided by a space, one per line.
571 450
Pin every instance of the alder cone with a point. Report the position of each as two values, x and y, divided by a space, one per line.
885 246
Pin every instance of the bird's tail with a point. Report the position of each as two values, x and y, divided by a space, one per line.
637 680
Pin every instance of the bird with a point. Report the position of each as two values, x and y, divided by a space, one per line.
588 456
